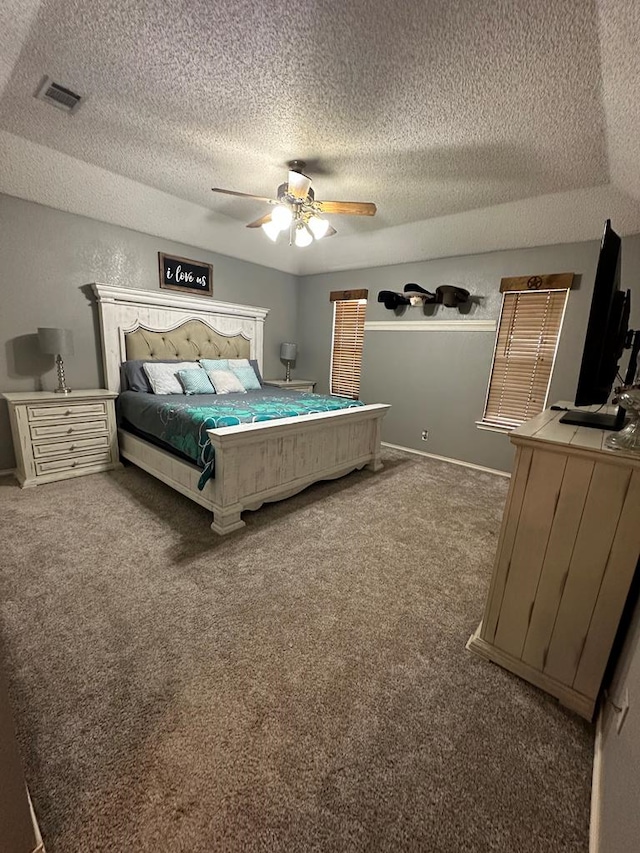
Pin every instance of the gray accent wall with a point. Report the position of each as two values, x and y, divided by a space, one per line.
47 257
434 381
437 381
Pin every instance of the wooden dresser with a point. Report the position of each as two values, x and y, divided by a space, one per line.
567 553
56 436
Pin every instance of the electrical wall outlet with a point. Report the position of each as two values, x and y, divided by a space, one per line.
425 434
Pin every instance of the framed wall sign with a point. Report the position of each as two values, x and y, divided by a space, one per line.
185 275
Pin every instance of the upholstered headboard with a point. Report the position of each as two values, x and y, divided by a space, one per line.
144 324
191 340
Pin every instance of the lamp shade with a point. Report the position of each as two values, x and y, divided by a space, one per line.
55 341
288 352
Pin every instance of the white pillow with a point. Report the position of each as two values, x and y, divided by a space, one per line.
164 377
226 382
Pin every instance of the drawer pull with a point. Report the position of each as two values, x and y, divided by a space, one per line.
74 463
68 412
72 447
70 429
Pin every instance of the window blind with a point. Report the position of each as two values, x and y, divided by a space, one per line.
526 345
346 351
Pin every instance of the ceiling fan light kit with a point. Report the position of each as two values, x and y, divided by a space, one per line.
303 237
271 230
282 216
296 209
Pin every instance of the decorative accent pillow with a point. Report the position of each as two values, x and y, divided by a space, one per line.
133 377
195 381
254 363
164 377
246 374
226 382
214 363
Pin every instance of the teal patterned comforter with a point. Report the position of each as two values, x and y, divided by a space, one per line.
181 422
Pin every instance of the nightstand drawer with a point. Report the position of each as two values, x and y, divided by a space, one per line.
72 463
71 447
42 431
68 410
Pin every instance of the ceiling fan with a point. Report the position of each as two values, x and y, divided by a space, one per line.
297 211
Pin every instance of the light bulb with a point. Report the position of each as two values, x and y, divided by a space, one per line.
303 237
271 230
281 217
318 226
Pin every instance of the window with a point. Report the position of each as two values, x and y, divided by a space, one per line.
349 310
525 350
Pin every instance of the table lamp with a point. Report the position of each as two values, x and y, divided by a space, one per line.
288 353
57 342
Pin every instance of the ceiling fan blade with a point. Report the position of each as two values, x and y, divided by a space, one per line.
298 185
262 221
330 232
244 195
352 208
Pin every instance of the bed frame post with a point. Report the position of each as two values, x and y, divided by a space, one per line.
376 462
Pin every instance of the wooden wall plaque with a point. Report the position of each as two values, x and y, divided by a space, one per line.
184 275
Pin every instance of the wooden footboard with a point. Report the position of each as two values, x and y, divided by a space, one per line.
268 461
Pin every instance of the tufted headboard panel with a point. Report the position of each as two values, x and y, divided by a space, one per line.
148 325
193 339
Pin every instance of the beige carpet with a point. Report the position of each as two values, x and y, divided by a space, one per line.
299 686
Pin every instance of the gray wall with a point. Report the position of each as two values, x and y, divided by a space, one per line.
438 381
47 256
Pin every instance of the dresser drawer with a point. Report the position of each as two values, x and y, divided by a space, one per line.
66 410
72 446
51 466
43 431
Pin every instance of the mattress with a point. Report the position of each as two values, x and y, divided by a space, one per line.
179 423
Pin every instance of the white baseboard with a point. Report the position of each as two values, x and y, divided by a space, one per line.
596 786
448 459
7 472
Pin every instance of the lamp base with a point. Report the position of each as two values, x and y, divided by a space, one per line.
287 377
62 384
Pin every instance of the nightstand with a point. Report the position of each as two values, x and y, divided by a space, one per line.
294 385
56 436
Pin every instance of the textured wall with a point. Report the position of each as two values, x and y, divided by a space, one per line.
438 381
47 258
434 381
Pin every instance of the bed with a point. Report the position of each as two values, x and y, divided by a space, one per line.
254 462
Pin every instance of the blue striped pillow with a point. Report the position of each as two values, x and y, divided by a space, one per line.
196 381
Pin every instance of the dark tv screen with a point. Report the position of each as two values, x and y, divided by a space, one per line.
607 326
605 340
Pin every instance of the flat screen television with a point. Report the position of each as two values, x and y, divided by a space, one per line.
606 338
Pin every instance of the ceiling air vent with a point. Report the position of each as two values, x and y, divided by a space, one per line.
58 96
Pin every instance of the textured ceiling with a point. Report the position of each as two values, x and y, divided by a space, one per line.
430 109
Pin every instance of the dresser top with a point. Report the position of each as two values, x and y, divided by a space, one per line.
52 397
546 427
